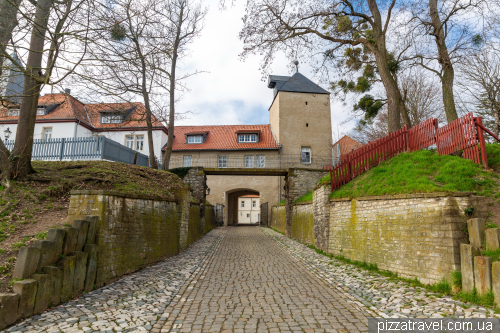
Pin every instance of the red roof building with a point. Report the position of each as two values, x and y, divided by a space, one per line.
344 146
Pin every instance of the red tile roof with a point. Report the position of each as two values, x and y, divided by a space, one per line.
224 137
347 144
68 107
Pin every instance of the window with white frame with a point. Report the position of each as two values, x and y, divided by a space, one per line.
129 141
47 133
243 204
247 137
222 161
254 203
261 161
111 118
248 215
306 155
248 161
195 139
40 111
187 161
13 113
139 142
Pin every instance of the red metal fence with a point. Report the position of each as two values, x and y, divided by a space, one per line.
466 134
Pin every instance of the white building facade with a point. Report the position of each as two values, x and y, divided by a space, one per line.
249 209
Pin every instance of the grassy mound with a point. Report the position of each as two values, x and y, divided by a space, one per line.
423 171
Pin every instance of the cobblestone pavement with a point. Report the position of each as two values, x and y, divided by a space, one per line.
253 285
383 297
134 303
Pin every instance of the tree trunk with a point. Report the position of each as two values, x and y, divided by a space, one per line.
171 116
395 104
496 116
444 60
8 21
33 80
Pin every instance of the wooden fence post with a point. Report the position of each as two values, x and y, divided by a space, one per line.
61 153
482 143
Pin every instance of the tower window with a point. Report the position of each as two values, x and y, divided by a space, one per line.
306 103
306 155
307 124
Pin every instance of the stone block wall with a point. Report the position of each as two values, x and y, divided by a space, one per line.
416 235
321 212
278 218
194 228
52 271
210 219
132 232
303 223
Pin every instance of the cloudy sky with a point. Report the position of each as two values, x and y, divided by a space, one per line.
231 91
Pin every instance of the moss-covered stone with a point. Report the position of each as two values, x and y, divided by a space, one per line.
278 220
303 223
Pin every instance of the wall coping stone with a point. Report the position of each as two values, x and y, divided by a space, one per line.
119 194
407 196
302 203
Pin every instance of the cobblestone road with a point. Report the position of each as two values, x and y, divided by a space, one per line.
235 279
253 285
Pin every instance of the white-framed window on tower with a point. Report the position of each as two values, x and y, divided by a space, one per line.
306 155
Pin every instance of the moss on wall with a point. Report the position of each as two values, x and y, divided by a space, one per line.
194 227
131 232
209 218
303 224
278 220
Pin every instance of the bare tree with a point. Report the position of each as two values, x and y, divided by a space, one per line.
422 97
339 28
46 23
187 21
135 53
454 27
8 22
479 85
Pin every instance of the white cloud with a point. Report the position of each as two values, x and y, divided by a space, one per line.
232 92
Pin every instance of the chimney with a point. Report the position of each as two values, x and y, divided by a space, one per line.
67 91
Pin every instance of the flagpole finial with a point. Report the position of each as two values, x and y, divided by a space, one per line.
296 63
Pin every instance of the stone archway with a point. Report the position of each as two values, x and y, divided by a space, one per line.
231 203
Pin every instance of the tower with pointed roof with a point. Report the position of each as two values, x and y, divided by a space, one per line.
11 81
300 117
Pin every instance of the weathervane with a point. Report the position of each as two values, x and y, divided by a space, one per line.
296 63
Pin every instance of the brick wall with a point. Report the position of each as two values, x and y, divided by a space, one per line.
415 235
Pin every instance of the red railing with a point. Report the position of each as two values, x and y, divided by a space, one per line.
466 134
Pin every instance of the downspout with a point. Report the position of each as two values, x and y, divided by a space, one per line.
279 167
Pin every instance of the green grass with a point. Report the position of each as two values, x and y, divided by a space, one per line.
308 197
281 203
422 171
493 254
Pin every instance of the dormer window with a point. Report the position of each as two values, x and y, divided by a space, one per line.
248 138
193 139
112 118
40 112
13 113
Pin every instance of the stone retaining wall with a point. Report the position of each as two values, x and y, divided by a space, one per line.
303 223
278 219
52 271
417 235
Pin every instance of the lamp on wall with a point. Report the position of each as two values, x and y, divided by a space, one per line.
7 133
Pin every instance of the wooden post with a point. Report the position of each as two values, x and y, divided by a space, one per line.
135 158
482 143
